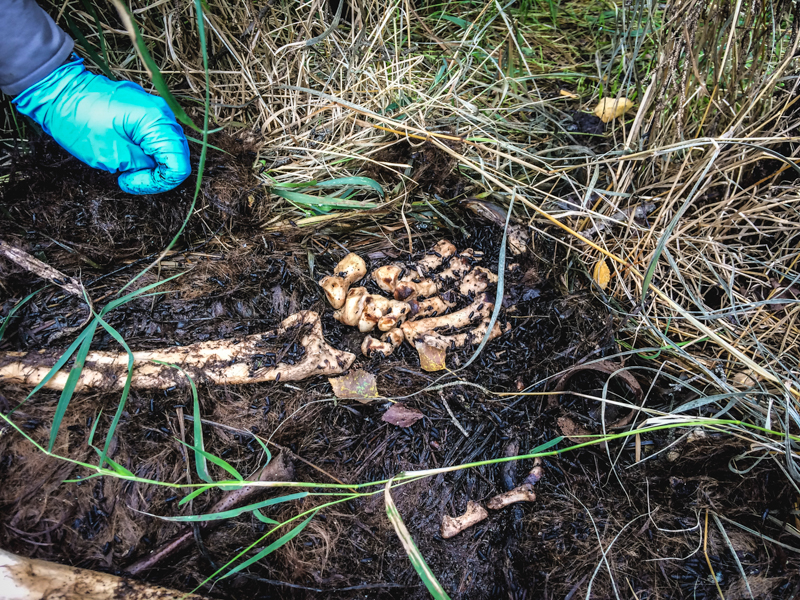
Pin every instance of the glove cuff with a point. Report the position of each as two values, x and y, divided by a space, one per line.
33 101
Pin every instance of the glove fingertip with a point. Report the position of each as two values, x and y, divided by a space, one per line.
143 182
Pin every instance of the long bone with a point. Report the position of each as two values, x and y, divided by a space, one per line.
255 358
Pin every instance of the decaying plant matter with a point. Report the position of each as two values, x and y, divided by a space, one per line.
294 351
421 296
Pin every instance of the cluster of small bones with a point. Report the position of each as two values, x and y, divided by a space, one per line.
419 299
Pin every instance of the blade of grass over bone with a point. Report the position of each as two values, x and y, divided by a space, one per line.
412 551
158 81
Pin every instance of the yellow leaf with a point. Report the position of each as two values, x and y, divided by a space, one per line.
431 358
609 109
568 94
357 385
602 274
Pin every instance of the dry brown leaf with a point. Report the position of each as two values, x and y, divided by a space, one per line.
609 109
402 416
431 358
357 385
602 274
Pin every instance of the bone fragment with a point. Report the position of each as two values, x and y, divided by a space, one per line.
477 281
458 267
480 308
30 579
443 250
255 358
453 526
432 307
387 344
394 280
350 269
43 270
364 310
459 340
523 493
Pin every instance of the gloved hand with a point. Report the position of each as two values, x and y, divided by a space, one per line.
113 126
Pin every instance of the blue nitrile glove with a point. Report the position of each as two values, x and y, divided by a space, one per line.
113 126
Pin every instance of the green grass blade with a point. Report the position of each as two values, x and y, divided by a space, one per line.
15 308
272 547
72 382
200 455
260 516
361 182
234 512
155 74
131 295
420 566
87 6
125 390
61 361
195 494
325 202
87 47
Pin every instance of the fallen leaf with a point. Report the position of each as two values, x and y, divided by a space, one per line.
602 274
401 416
431 358
609 109
567 94
358 385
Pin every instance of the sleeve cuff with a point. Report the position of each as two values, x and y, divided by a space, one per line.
58 59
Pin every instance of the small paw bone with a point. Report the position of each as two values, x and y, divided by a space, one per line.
417 312
350 269
452 526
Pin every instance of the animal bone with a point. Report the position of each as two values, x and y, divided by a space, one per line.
481 308
364 310
453 526
31 579
523 493
387 344
423 321
350 269
394 280
252 359
476 281
438 254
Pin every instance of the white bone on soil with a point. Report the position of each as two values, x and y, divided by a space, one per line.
383 312
438 254
230 361
476 281
481 308
350 269
452 526
364 310
523 493
410 285
386 345
458 267
432 307
459 340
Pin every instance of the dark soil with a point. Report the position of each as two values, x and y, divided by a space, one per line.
239 278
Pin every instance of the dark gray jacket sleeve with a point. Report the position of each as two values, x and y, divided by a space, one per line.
31 45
